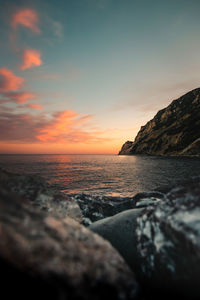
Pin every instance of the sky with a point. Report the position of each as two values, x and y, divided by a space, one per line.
82 76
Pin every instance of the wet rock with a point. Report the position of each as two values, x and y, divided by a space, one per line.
56 258
161 242
120 230
169 241
86 222
96 208
173 131
146 199
40 194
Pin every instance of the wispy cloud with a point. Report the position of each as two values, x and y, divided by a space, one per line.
35 106
151 97
9 81
61 127
19 97
27 18
57 29
31 58
10 85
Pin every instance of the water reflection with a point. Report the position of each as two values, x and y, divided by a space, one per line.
103 174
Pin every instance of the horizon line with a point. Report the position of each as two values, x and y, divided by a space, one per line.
58 154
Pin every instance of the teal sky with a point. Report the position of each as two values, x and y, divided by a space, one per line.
119 61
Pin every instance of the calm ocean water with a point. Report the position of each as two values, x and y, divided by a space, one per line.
108 175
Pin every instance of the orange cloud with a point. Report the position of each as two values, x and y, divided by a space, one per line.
62 132
9 81
35 106
31 58
60 125
20 97
27 18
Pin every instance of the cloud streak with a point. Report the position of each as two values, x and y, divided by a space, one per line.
27 18
10 85
31 58
20 97
62 127
35 106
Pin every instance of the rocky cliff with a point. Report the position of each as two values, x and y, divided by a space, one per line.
175 130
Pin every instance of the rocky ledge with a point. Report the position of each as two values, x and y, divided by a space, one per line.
173 131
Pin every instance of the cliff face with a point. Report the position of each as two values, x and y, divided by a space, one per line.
175 130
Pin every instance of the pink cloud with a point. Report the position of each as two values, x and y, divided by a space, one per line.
20 97
31 58
35 106
27 18
61 127
9 81
17 127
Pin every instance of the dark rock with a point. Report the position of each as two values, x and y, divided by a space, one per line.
96 208
173 131
161 242
120 230
44 256
40 194
86 222
148 198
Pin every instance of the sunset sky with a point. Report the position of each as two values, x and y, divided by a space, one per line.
82 76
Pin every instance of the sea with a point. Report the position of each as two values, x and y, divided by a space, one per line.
104 175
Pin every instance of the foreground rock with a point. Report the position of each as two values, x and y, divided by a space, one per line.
161 242
56 258
40 194
173 131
